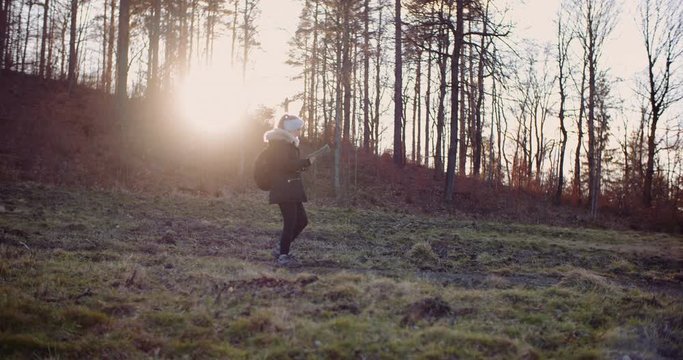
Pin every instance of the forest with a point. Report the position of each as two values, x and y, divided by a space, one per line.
468 100
505 180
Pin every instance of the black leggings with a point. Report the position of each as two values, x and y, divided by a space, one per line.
295 220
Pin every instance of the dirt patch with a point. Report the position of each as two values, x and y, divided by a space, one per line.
428 309
12 236
344 308
284 287
261 282
480 280
120 310
168 238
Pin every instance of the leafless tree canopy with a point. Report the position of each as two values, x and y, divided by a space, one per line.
469 98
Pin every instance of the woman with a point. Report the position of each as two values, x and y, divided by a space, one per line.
287 187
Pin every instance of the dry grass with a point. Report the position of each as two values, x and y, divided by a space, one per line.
88 274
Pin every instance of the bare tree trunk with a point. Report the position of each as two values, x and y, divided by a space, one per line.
601 140
480 95
121 85
153 76
191 32
71 79
516 172
209 24
500 137
428 96
591 113
529 154
662 31
641 142
338 123
378 89
170 45
13 36
494 161
538 135
398 86
312 111
305 106
62 49
562 51
16 55
183 63
598 18
234 34
248 37
46 9
104 45
462 154
413 142
366 77
110 48
354 90
404 122
650 166
214 20
440 112
502 141
7 33
245 33
50 46
248 33
346 70
579 136
4 29
28 33
563 147
122 55
455 63
418 93
81 58
326 117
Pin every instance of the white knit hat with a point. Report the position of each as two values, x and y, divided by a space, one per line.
291 123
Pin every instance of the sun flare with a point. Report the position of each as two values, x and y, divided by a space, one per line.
211 101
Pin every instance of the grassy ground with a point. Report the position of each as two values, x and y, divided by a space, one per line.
119 275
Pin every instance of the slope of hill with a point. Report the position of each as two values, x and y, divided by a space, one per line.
49 136
111 274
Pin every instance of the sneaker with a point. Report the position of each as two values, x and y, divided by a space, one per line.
287 260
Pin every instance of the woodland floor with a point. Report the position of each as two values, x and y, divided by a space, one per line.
111 274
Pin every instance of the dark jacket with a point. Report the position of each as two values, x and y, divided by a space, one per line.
287 185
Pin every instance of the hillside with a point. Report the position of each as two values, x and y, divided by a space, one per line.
112 274
49 136
137 239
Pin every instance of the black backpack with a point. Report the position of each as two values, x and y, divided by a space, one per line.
263 169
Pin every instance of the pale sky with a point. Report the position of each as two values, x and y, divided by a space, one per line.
212 93
278 22
623 52
269 78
